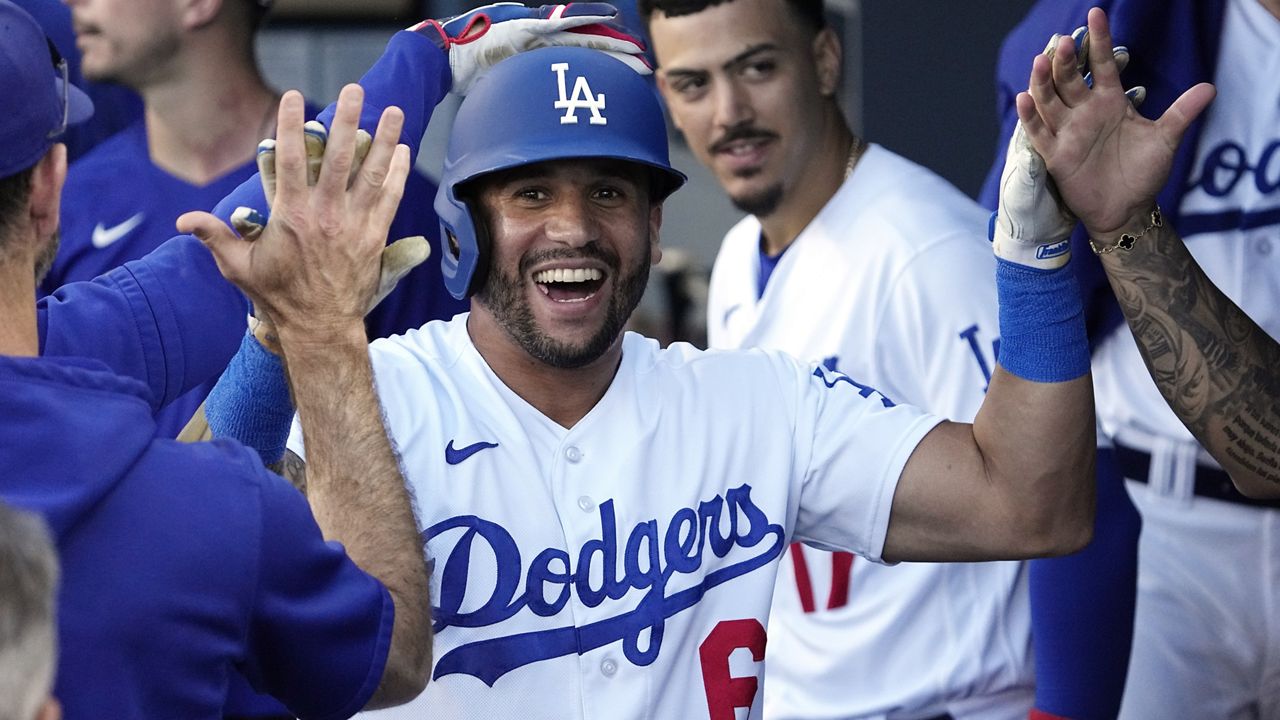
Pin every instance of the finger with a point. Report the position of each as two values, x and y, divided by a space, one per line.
1039 134
388 200
1184 111
373 172
363 141
248 222
230 252
340 152
291 153
1048 105
398 259
267 168
1080 42
315 137
1137 96
1102 61
1121 55
1067 81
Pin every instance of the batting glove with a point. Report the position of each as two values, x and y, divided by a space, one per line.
477 40
1031 225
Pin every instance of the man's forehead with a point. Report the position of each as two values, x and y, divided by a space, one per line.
581 169
720 34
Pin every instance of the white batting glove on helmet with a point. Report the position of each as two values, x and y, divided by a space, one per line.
479 39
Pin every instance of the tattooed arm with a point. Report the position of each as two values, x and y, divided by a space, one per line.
1219 371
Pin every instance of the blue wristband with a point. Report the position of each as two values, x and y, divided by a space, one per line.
251 403
1042 335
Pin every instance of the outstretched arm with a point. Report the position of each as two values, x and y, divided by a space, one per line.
1215 367
314 269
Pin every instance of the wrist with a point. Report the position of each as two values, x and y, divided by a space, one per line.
1125 236
321 339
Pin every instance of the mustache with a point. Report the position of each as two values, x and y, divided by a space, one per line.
741 132
589 251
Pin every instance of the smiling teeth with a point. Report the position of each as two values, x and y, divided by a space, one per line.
563 275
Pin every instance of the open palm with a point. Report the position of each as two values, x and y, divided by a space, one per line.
1108 162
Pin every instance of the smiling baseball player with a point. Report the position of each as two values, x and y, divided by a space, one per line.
605 518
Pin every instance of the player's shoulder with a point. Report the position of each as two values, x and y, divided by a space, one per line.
720 373
907 206
434 347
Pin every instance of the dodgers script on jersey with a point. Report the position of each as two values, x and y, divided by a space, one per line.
623 568
893 284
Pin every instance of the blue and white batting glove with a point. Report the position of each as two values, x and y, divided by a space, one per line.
477 40
1031 225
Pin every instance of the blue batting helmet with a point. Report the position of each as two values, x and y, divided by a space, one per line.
548 104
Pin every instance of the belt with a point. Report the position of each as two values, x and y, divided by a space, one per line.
1210 482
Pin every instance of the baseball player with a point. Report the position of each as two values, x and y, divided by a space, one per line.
898 262
207 106
585 495
1205 643
182 565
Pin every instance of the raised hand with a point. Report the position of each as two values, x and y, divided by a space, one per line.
316 265
1108 162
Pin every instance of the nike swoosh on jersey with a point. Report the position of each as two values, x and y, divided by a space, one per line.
104 236
453 455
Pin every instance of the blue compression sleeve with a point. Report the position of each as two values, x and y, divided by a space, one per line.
1042 335
251 402
1082 610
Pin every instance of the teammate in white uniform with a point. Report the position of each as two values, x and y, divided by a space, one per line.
868 263
604 517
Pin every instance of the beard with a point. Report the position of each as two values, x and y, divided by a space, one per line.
503 295
761 203
45 260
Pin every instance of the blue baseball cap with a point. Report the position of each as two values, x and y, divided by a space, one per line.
40 102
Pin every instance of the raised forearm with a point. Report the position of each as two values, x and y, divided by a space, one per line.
1219 371
358 493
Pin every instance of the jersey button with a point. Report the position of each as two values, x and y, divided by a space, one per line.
609 668
586 503
573 454
1264 246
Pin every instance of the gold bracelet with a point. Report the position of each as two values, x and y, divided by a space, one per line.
1126 240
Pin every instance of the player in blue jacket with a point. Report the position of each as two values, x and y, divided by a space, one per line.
182 564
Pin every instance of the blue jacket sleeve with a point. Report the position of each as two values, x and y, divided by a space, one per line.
412 74
168 319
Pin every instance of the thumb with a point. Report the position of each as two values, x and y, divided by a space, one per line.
1184 111
398 259
229 251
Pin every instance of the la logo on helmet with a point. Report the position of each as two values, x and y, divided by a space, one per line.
582 98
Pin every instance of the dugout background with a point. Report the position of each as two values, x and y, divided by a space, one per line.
918 80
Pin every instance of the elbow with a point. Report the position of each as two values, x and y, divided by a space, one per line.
408 666
1064 525
1069 537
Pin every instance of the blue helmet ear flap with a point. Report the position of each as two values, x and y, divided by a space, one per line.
464 243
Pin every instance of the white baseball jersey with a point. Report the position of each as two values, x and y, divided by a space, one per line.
893 283
623 568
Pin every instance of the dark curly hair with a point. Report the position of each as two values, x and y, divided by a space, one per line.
808 11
